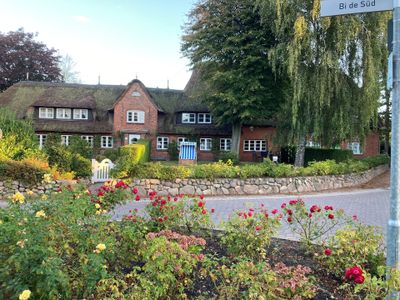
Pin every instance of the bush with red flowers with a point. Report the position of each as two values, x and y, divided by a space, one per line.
110 194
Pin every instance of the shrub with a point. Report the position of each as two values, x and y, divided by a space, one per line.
111 154
147 150
21 171
216 170
81 147
316 154
357 244
134 153
173 151
228 156
81 166
248 233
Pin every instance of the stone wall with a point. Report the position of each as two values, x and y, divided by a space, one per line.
256 186
8 188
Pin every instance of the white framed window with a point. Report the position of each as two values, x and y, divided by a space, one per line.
88 139
133 138
225 144
180 140
41 139
204 118
136 94
106 141
162 143
205 144
188 118
135 116
255 145
46 113
63 113
81 114
65 139
355 147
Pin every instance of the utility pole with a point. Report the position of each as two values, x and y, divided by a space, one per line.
393 237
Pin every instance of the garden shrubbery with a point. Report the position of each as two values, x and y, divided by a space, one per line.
67 247
227 169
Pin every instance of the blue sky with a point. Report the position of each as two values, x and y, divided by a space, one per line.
118 39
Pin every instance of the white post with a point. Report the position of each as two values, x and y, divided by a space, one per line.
393 237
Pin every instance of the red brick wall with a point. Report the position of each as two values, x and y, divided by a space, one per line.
256 133
371 146
148 130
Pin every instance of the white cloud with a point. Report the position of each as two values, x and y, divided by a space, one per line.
81 19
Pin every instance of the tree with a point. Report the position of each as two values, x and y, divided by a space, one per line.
68 73
335 68
227 44
23 58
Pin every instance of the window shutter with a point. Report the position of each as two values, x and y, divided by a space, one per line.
141 116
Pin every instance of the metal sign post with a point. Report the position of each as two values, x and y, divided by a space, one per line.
393 237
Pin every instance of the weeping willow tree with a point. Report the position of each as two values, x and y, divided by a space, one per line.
335 66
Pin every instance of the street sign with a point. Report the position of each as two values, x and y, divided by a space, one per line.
345 7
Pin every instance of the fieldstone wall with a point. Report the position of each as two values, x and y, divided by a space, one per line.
256 186
8 188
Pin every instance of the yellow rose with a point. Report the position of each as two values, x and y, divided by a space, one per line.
47 178
100 248
98 212
97 205
25 295
18 197
44 197
40 214
29 193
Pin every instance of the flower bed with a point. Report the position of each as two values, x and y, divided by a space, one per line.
66 247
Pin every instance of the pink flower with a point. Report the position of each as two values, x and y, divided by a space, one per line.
137 198
274 211
135 191
212 210
258 228
359 279
355 218
283 205
328 252
250 214
292 202
175 198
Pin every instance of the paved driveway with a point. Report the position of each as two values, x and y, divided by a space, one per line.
371 206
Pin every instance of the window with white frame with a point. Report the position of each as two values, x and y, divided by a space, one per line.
41 139
205 144
225 144
255 145
88 139
106 141
65 139
204 118
63 113
180 140
81 114
355 147
188 118
162 143
135 116
46 113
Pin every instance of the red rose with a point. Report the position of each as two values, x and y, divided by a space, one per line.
203 211
201 196
165 218
213 210
289 212
289 220
160 220
315 208
154 203
175 198
355 218
331 216
100 194
266 215
137 198
200 204
135 191
328 252
274 211
251 209
258 228
292 202
283 205
359 279
250 214
163 202
328 207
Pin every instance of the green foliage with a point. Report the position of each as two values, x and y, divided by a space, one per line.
381 285
215 170
80 146
111 154
147 150
81 166
248 233
173 151
134 152
354 245
19 138
228 156
315 154
58 156
335 67
21 171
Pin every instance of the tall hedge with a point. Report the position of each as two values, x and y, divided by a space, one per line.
147 150
315 154
135 152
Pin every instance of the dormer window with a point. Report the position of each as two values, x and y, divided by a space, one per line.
204 118
188 118
136 94
81 114
135 116
63 113
46 113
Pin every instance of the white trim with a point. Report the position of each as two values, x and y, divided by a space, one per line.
65 140
63 113
162 143
225 144
355 147
106 141
204 117
41 139
135 116
254 145
205 144
88 138
46 113
188 118
81 114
